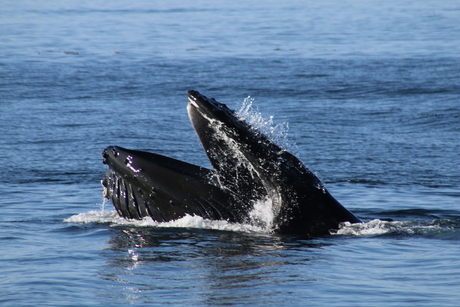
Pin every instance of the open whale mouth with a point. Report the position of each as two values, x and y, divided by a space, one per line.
247 167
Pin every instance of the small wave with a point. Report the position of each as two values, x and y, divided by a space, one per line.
407 228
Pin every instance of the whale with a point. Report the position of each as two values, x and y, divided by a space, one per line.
248 168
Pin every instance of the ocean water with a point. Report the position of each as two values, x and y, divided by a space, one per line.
366 93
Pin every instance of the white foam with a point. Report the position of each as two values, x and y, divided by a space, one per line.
378 227
374 227
188 221
102 216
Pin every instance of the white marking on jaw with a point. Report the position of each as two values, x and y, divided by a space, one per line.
194 103
129 161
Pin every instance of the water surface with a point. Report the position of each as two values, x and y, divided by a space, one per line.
370 93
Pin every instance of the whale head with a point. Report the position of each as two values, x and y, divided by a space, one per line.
253 165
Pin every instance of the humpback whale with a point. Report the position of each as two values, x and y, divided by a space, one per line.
247 167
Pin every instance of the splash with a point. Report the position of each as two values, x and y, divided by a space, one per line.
262 215
278 133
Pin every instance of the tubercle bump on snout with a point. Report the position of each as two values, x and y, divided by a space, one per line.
107 153
105 156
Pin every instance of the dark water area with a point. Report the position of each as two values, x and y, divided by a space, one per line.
369 91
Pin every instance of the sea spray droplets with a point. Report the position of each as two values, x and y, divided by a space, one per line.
276 132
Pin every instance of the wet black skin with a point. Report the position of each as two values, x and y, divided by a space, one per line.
247 167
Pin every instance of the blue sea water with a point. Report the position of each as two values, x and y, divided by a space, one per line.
370 91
